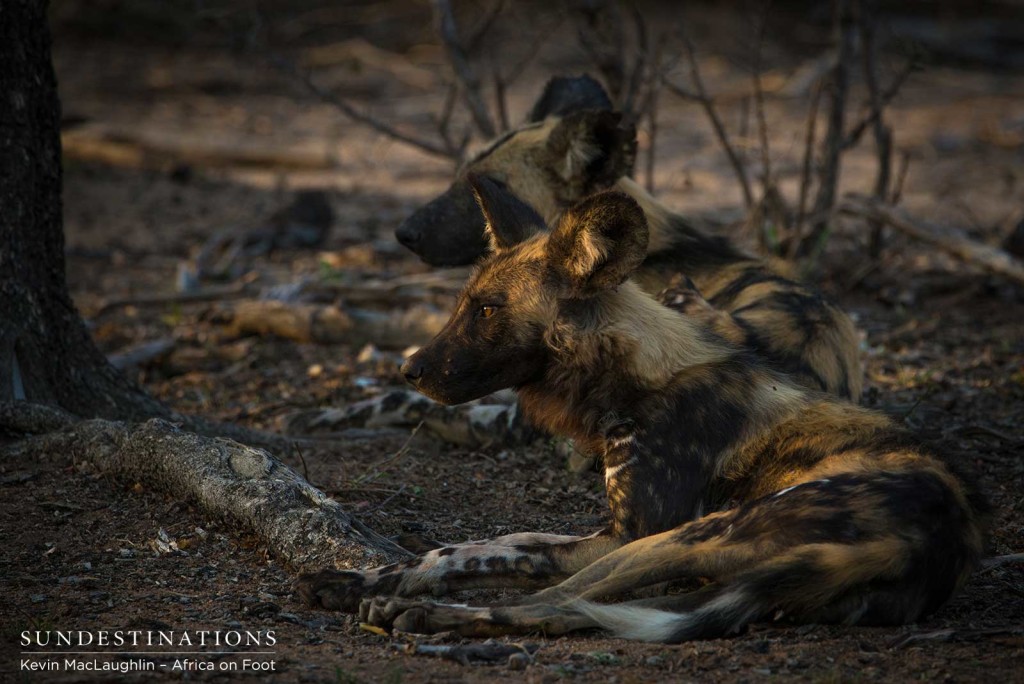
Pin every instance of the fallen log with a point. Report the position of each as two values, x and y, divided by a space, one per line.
945 238
144 147
245 486
315 323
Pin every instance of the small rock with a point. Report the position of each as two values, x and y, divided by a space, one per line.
368 354
654 661
38 598
760 646
126 553
518 661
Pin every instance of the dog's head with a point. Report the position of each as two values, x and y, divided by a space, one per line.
572 145
499 334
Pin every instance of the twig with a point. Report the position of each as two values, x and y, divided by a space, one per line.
142 353
901 178
829 175
701 96
288 67
380 468
885 97
212 294
463 68
386 501
302 460
990 258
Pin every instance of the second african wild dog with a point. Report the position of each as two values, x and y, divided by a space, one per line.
794 503
573 145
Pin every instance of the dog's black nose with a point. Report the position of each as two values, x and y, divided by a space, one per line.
408 235
412 369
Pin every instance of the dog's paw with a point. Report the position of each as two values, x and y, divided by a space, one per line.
421 617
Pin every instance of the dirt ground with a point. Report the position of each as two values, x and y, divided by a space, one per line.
943 346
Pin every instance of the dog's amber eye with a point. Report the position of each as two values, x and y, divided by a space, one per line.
487 311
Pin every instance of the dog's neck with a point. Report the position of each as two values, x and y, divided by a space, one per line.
610 355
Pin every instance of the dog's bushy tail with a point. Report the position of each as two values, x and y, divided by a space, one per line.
813 582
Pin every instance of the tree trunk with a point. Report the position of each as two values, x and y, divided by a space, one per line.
48 358
46 354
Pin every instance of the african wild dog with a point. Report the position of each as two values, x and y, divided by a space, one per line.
792 502
573 145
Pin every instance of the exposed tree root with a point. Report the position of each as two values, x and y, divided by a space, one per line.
227 480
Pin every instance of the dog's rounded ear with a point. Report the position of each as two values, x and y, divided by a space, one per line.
591 150
509 219
566 94
599 243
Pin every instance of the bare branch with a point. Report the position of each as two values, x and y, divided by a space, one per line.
651 109
477 35
602 38
947 239
762 123
444 119
885 97
845 27
882 133
463 68
500 98
636 77
540 38
701 96
288 67
805 170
